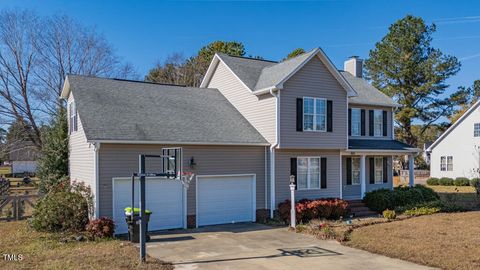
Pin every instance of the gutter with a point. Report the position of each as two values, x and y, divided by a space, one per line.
96 149
272 150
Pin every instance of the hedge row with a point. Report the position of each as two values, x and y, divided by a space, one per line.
459 181
382 199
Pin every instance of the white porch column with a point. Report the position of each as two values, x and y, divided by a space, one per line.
411 172
363 178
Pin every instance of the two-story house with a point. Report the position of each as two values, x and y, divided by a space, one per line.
249 127
456 153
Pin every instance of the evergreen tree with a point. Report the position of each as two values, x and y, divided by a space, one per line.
406 67
53 163
294 53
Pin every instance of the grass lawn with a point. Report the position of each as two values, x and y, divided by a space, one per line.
447 241
45 251
464 196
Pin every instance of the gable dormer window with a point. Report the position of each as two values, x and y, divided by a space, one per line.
72 110
314 114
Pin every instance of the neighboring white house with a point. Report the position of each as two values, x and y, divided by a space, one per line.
456 153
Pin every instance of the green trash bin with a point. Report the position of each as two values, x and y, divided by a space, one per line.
133 222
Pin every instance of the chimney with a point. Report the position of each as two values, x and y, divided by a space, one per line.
354 66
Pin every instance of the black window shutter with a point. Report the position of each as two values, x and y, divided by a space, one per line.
349 122
329 116
299 114
370 122
323 173
362 115
384 123
293 169
372 170
349 171
385 170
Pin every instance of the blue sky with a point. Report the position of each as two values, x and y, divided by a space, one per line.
144 32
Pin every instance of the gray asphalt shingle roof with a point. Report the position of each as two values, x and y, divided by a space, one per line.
367 94
359 144
258 74
137 111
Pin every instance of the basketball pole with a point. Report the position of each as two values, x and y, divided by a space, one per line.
143 227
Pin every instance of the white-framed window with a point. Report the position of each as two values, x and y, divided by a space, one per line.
449 163
378 123
476 130
443 164
314 114
378 170
308 173
72 110
356 122
355 171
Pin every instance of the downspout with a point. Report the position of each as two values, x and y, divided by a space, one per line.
272 151
266 173
96 149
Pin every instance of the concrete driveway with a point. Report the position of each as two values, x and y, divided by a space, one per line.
255 246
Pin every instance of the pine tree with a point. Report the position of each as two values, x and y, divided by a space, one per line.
53 163
405 66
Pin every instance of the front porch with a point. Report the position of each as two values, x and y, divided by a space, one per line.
368 165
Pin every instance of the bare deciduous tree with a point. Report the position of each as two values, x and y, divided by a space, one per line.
36 53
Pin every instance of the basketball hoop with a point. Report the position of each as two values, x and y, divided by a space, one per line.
186 178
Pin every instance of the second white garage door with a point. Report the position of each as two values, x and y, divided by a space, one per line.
225 199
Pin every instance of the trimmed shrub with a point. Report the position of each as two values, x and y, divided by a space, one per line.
382 199
307 210
379 200
446 181
420 211
101 228
432 181
64 208
461 181
389 214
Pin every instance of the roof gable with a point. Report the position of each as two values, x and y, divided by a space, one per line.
259 76
457 123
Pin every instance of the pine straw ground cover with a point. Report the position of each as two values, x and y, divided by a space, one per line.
447 240
46 251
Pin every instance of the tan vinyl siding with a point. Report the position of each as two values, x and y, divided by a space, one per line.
367 119
351 192
259 111
121 160
81 155
313 80
282 189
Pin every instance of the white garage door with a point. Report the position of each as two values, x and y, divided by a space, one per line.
225 199
165 198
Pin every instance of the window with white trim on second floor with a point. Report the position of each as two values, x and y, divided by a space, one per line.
308 173
356 122
378 170
378 123
314 114
355 171
72 110
476 130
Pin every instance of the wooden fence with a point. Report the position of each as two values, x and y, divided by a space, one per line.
4 187
17 207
